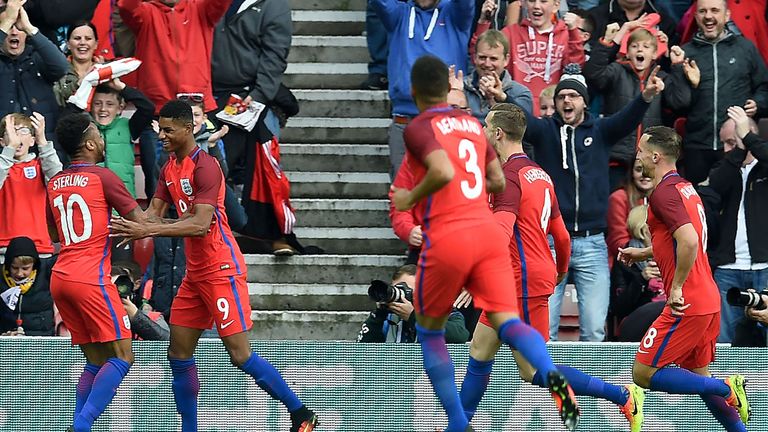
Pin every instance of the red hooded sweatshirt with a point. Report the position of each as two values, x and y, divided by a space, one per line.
174 44
537 59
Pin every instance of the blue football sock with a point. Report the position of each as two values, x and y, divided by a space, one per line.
104 387
439 368
84 386
270 380
583 384
474 385
724 413
682 381
539 380
523 338
186 387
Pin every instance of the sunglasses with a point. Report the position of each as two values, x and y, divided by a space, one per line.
190 97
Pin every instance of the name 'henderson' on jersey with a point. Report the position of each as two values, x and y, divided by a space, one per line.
463 201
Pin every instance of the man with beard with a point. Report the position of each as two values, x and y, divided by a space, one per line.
730 73
573 148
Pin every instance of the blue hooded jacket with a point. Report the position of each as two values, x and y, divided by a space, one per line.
580 156
442 31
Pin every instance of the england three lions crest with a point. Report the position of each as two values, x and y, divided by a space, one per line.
186 186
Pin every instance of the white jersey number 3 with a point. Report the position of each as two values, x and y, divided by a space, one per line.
467 151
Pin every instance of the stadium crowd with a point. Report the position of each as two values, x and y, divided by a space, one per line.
599 55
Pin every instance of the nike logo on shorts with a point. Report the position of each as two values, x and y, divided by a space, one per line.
225 325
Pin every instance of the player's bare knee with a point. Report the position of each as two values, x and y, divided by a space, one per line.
178 354
238 357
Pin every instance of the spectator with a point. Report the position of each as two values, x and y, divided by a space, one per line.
260 39
27 307
727 69
146 324
209 140
119 132
378 50
416 28
573 148
102 20
637 284
168 267
23 177
540 45
396 321
741 180
547 101
406 224
173 39
586 25
635 193
82 40
53 15
622 11
29 65
490 83
621 80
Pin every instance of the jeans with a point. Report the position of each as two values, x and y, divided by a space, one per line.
236 216
378 46
148 144
730 316
589 267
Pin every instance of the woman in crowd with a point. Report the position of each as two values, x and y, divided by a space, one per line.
81 44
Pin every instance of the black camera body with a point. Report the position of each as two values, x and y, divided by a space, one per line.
124 286
751 299
382 292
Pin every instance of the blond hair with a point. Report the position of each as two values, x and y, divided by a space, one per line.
637 226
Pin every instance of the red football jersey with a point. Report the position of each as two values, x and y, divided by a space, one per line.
673 204
463 201
198 180
80 203
22 200
530 195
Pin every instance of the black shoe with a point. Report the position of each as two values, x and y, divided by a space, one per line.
303 420
375 82
565 400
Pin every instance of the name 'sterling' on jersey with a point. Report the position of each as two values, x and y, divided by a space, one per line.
466 124
70 181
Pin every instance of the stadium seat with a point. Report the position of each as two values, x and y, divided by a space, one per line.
680 126
142 252
569 315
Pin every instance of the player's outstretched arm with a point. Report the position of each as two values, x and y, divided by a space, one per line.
562 246
157 210
195 225
631 255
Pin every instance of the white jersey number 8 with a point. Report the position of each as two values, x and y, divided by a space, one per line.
467 151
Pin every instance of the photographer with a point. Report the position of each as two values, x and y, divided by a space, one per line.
145 323
750 332
394 321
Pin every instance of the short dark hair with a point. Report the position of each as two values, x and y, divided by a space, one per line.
118 267
408 269
105 89
83 23
510 118
589 22
665 139
70 132
429 77
177 110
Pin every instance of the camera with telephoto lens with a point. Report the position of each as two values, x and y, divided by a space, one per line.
382 292
750 299
124 286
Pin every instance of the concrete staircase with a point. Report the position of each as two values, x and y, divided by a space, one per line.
336 157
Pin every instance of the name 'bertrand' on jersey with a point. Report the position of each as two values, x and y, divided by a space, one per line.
465 124
70 181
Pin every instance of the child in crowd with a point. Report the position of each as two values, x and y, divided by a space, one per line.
621 79
547 101
540 46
